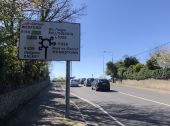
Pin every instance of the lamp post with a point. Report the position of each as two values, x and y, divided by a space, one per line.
109 53
112 60
103 65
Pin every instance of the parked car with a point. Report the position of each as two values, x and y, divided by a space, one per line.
88 82
110 80
54 80
82 80
74 83
101 84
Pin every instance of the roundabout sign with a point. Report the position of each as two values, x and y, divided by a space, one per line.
49 41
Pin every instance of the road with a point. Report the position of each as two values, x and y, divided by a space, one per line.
122 106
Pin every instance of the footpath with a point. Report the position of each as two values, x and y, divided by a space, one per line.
46 109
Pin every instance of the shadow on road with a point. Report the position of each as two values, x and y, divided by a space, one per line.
129 115
75 86
93 115
133 116
113 91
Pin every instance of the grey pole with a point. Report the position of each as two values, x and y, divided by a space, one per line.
67 91
112 57
103 65
71 69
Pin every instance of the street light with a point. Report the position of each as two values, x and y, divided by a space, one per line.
112 59
103 65
110 53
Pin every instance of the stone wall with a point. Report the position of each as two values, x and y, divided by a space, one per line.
150 83
12 100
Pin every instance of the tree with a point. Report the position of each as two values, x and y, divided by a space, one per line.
61 79
138 67
120 66
152 63
53 10
111 70
163 58
11 13
128 61
143 74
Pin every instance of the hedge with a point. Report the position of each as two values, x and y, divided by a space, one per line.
145 73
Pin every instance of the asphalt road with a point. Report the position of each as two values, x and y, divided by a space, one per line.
124 106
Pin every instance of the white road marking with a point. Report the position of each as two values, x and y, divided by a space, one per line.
77 108
99 107
161 103
80 112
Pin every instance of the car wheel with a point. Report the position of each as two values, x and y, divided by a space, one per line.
97 89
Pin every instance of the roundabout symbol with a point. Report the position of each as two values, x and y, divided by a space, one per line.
45 43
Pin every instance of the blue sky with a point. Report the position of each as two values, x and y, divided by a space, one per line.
124 27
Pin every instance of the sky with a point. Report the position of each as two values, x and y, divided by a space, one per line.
120 27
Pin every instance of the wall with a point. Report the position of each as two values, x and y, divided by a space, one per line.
12 100
150 83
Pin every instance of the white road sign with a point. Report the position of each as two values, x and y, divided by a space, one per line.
49 41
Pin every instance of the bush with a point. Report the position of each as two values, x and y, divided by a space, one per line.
163 73
166 73
130 73
143 74
15 73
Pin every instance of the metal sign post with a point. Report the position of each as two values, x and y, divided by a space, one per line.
67 91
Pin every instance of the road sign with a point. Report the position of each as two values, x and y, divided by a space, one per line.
49 41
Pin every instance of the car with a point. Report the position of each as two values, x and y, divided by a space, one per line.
74 83
101 84
110 80
54 80
82 80
88 82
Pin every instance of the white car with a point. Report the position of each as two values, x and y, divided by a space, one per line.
74 83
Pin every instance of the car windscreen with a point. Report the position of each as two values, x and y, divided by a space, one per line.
75 80
103 80
91 79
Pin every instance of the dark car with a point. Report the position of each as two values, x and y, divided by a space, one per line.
54 80
88 82
82 80
101 84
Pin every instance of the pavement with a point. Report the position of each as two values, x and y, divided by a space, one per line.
47 109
